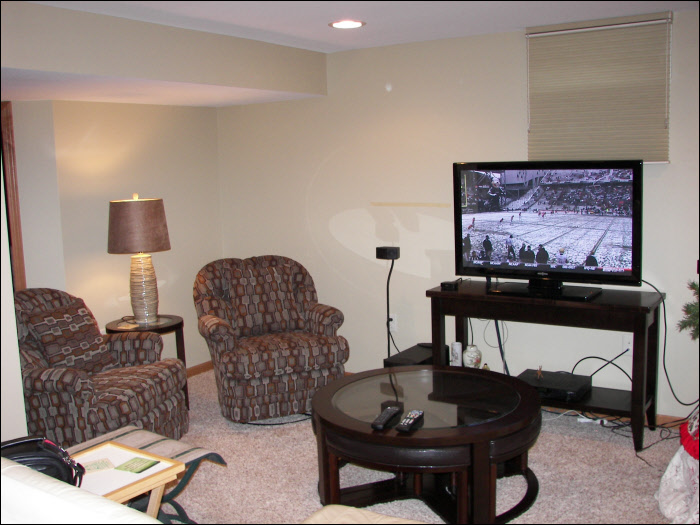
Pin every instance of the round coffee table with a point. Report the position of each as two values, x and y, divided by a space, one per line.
477 424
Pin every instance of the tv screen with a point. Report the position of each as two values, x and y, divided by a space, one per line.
547 223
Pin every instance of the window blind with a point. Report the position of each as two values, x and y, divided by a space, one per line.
600 90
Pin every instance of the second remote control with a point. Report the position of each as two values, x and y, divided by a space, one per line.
411 421
387 415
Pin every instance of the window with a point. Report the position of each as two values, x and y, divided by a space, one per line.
600 89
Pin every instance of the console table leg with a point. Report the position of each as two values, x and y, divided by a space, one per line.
438 334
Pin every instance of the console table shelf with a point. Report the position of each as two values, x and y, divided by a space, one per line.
601 400
617 310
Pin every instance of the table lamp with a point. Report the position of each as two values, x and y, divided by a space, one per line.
388 253
138 226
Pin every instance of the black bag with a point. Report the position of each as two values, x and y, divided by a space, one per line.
44 456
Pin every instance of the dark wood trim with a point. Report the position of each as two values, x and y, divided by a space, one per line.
199 369
14 224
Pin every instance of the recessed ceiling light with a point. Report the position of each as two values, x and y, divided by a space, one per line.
346 24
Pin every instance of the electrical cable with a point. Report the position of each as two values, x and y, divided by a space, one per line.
663 355
610 362
388 317
500 348
306 418
394 342
607 362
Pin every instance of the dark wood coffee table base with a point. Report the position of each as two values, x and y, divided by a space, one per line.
437 491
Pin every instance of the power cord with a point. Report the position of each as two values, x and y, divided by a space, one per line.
607 362
663 358
500 348
306 417
500 343
389 337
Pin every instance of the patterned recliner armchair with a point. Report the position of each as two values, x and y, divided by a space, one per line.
271 343
79 384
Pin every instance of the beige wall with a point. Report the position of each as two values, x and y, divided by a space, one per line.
38 190
310 179
105 152
44 38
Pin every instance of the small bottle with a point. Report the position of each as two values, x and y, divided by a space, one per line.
456 354
472 357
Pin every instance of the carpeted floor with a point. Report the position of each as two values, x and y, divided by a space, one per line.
587 473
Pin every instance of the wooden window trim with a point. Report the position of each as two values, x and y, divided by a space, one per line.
14 224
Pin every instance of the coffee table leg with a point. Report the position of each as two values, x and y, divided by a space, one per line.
328 473
483 494
333 479
462 483
329 481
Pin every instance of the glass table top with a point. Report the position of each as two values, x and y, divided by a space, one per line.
448 398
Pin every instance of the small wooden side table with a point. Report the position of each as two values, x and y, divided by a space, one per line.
164 324
122 486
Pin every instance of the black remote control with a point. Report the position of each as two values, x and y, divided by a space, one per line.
412 421
386 417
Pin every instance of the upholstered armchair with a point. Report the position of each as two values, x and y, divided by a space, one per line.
271 343
79 384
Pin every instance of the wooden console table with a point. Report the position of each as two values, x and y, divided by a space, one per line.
617 310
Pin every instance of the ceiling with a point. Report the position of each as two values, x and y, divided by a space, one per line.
302 25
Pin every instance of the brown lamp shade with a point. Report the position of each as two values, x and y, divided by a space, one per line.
137 226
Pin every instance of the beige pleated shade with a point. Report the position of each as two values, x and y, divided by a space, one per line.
600 89
137 226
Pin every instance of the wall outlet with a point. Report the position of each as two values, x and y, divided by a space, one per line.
393 323
627 340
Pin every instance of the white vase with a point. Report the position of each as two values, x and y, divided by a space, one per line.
456 354
472 357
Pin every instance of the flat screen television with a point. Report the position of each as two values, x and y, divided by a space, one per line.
547 223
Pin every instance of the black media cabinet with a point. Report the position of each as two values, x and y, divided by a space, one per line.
617 310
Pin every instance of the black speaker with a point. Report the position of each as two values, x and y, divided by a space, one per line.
416 355
388 252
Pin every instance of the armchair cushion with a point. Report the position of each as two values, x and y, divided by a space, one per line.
128 394
283 353
70 338
264 301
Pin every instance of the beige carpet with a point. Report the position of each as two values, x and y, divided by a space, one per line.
587 473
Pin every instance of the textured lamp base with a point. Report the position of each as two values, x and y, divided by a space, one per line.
143 289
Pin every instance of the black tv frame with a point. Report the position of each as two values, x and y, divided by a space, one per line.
545 280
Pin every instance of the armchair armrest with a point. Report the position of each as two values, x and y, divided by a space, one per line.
30 357
217 330
324 320
134 348
70 380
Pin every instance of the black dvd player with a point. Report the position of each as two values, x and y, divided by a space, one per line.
560 386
